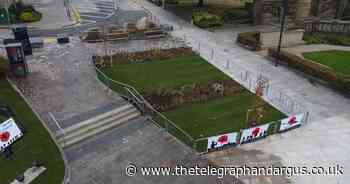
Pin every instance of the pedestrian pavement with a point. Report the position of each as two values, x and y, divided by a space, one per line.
63 82
54 14
328 109
299 50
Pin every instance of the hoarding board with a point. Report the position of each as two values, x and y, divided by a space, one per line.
251 134
9 133
220 141
291 122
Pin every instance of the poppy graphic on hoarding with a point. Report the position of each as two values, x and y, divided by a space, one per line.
256 132
251 134
5 136
223 139
220 141
292 120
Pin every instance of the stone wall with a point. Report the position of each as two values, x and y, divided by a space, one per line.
327 8
233 3
264 10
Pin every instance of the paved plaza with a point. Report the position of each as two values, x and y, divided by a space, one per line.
327 108
63 82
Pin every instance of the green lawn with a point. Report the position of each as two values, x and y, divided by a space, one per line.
335 59
36 144
171 73
219 115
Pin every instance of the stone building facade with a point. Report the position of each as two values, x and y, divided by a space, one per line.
298 10
266 11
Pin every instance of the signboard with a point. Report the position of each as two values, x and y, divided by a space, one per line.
21 35
9 133
254 133
16 58
220 141
291 122
15 53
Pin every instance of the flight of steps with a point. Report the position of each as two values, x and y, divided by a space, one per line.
95 125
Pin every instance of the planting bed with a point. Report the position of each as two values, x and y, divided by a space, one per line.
192 93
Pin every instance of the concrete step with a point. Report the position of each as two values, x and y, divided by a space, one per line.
97 128
97 124
97 118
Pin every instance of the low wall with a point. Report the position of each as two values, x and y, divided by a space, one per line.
327 75
233 3
263 40
250 40
332 26
290 38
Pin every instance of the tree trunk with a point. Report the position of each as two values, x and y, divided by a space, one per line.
342 4
200 3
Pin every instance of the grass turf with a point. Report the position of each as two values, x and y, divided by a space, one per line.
36 144
166 74
335 59
219 115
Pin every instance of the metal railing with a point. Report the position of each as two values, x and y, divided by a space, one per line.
133 96
326 26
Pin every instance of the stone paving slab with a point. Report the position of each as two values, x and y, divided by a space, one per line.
62 81
103 159
92 113
54 15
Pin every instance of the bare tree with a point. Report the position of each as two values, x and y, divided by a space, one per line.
200 3
342 4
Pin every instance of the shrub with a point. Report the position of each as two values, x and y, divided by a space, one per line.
235 14
206 20
327 38
166 99
149 55
20 12
29 16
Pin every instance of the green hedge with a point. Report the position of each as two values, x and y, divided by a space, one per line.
335 80
20 12
236 14
327 38
29 16
250 40
206 20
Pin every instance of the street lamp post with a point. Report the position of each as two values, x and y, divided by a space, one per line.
116 4
285 12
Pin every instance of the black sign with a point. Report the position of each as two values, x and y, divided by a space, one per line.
15 53
21 35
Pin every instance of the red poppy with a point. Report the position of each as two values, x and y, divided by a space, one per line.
292 120
256 131
223 139
5 136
